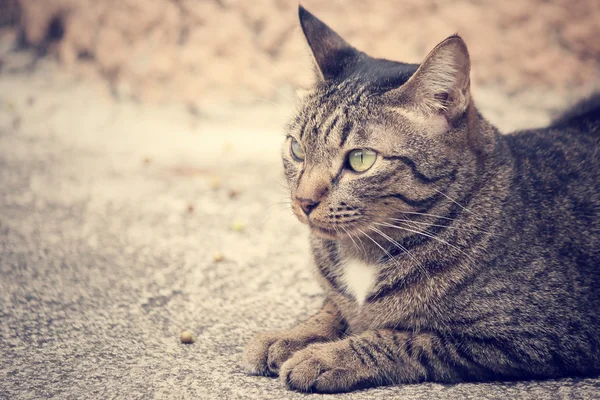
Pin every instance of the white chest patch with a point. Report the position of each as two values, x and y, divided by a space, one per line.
358 279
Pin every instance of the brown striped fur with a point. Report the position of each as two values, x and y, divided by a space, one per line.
486 246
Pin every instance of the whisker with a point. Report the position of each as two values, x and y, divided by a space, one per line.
353 241
284 201
283 187
441 318
404 249
429 236
268 217
378 245
279 71
269 210
475 228
362 245
419 233
351 238
440 217
265 100
426 214
454 201
287 96
364 250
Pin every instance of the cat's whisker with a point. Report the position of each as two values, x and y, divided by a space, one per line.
351 238
410 223
361 245
263 99
391 258
337 231
284 189
418 232
454 201
424 232
426 215
431 215
287 96
474 228
356 241
440 217
404 249
267 59
286 203
268 217
427 235
282 207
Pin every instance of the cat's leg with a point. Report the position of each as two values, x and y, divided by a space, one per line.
379 357
267 351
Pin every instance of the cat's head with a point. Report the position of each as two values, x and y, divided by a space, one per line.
374 138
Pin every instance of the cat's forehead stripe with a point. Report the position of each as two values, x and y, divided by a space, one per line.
346 132
329 120
335 118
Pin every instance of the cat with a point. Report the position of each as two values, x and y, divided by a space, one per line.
447 252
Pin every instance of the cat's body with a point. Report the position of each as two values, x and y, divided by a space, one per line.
491 291
459 253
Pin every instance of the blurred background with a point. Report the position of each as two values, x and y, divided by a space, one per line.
141 188
211 54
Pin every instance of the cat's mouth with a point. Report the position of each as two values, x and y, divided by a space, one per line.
325 230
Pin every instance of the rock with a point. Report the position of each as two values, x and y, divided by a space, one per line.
187 337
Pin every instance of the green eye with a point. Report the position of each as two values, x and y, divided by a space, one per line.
361 160
297 150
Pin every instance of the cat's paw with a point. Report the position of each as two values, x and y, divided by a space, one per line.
266 352
324 368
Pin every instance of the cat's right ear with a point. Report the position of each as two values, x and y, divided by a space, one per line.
332 54
441 85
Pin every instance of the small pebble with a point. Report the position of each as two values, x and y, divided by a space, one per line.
228 147
233 193
16 123
237 226
190 208
218 257
187 337
215 182
147 160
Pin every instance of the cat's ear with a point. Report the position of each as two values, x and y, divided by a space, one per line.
441 84
332 54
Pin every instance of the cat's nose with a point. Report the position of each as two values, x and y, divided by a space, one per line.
307 205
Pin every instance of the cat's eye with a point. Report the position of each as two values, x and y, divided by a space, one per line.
361 160
297 150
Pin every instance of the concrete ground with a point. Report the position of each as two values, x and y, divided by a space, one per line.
111 214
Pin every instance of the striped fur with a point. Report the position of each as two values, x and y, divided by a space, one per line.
486 246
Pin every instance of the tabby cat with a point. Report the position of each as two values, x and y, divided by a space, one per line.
447 251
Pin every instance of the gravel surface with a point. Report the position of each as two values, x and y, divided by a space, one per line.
111 218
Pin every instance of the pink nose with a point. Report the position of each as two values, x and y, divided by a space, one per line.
307 205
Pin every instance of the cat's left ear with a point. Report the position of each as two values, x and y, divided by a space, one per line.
332 54
441 84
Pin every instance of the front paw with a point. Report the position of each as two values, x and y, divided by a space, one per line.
324 368
266 352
